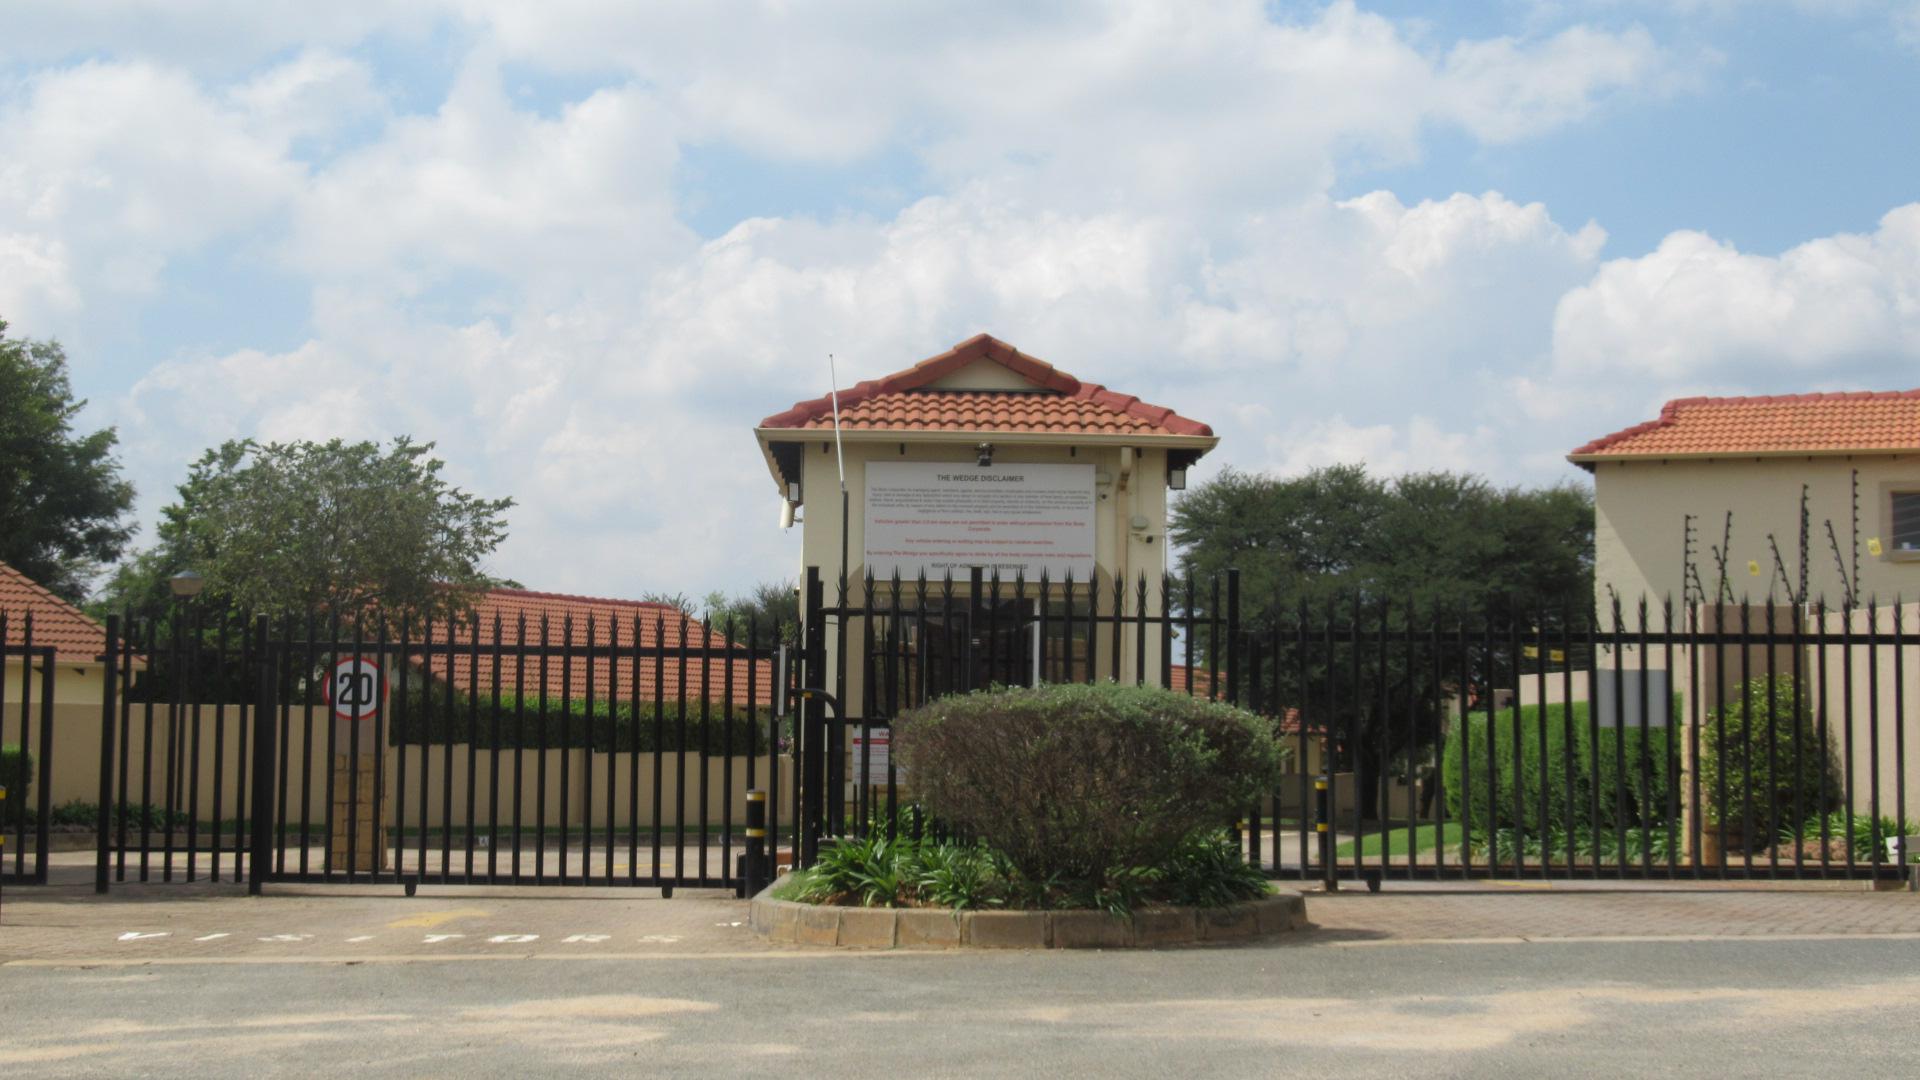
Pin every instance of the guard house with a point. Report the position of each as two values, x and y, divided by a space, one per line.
984 461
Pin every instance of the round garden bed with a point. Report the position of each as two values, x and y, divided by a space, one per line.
793 923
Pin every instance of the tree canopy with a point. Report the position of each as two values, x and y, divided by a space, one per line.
1442 542
62 500
306 527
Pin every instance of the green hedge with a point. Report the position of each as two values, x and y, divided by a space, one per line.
16 775
1082 786
1623 798
1764 746
607 726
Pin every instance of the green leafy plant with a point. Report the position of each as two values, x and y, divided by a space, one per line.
1207 871
1864 834
1508 796
1762 759
1085 785
16 775
959 876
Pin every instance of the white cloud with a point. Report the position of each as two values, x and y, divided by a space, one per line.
113 169
1696 307
1418 445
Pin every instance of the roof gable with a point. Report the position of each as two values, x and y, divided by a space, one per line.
927 397
1862 422
75 637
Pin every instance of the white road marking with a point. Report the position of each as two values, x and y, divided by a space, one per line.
662 939
135 935
288 937
590 939
212 937
513 939
362 937
435 939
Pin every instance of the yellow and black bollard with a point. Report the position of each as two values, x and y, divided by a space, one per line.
1323 824
754 874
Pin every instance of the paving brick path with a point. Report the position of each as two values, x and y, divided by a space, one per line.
1539 912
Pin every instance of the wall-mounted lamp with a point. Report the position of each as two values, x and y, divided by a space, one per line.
1177 478
793 491
985 450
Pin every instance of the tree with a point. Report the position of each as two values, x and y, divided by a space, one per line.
321 528
771 608
62 499
1346 548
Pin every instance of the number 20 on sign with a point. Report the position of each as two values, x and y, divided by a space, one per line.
355 688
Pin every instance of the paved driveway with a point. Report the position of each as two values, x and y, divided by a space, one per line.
1499 980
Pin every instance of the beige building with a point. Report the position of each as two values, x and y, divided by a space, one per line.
1664 493
985 457
1753 458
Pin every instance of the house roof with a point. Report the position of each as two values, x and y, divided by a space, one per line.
612 626
1789 424
75 637
1040 402
1053 401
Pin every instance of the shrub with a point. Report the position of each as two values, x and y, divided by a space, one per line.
16 775
1080 786
1492 798
1749 744
1864 835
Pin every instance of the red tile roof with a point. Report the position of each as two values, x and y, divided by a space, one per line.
613 624
1057 404
74 637
1787 424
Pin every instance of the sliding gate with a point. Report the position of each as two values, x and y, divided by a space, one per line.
1723 741
599 751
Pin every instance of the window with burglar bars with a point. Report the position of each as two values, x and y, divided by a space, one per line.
1904 523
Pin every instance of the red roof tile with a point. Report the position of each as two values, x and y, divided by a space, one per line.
1057 404
612 624
1786 424
74 637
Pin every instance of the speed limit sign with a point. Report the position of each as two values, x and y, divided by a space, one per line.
355 688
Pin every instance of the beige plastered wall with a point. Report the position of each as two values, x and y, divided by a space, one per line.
1640 509
1135 488
76 775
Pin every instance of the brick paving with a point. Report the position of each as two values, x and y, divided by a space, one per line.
1539 911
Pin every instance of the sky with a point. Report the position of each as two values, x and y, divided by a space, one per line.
585 245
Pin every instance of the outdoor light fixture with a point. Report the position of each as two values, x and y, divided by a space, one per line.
1177 478
793 491
186 584
985 450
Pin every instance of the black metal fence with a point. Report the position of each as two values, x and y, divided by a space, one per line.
26 752
1725 741
603 752
1735 740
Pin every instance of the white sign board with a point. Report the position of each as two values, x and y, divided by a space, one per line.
355 687
942 517
875 753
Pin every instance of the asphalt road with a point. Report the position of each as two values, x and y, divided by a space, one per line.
1530 1009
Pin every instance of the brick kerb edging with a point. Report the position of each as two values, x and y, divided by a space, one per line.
790 923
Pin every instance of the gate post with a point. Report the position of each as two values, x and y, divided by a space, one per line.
109 705
808 725
261 839
1233 636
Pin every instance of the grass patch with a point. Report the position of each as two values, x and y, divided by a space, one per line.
1425 838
